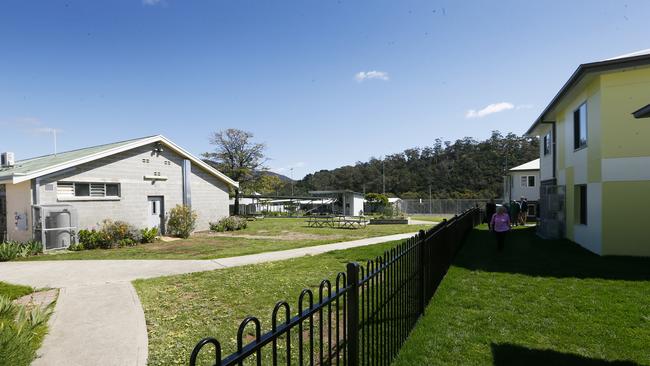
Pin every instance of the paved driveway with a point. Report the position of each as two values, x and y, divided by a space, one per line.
98 318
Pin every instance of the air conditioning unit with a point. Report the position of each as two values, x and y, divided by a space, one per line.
7 159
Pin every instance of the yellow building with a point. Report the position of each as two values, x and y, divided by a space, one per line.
595 157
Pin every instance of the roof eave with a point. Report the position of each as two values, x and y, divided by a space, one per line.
144 141
583 69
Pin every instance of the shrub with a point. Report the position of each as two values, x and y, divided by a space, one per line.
126 242
92 239
117 231
148 235
12 249
9 251
19 332
231 223
182 221
75 247
33 247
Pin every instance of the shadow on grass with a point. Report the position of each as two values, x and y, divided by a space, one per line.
512 354
525 253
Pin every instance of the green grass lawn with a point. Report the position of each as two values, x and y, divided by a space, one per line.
21 334
265 235
214 303
12 292
537 303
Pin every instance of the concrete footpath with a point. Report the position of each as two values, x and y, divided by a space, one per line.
98 318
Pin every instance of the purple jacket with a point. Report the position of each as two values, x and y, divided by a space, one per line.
500 222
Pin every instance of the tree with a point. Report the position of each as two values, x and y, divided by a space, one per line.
466 168
377 201
267 184
237 156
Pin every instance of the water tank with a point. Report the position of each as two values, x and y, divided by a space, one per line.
58 238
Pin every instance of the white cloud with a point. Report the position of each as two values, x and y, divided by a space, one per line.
367 75
489 109
151 2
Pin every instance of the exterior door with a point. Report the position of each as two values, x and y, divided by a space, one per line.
157 213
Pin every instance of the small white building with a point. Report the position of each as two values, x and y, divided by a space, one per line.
345 202
523 181
137 181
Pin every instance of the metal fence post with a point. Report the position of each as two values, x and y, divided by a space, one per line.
353 313
421 265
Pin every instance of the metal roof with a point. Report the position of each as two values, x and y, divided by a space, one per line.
531 165
335 192
638 58
27 169
27 166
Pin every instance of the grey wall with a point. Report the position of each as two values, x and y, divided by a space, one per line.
209 194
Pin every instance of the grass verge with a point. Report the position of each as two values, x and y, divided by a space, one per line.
12 292
537 303
265 235
214 303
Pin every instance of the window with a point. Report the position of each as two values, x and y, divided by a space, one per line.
82 189
581 204
580 127
112 190
93 190
527 181
547 143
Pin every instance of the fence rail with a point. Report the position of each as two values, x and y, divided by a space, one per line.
365 317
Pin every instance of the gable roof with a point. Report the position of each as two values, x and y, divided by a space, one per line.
638 58
24 170
531 165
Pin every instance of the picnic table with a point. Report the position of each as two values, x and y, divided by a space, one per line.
337 221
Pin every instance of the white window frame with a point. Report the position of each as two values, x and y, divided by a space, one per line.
67 191
525 179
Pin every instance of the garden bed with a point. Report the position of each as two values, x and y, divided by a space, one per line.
390 221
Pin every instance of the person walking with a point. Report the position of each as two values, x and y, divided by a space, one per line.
490 210
514 212
500 225
523 214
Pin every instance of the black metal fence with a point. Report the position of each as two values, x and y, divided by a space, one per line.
361 319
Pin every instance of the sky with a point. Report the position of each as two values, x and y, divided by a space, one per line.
321 83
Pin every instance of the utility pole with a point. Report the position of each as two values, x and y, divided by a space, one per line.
430 208
291 181
383 177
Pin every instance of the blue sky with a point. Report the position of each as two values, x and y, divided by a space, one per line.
322 83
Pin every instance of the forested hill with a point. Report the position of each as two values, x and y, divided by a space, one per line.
464 169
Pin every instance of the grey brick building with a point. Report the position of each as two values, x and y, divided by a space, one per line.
137 181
